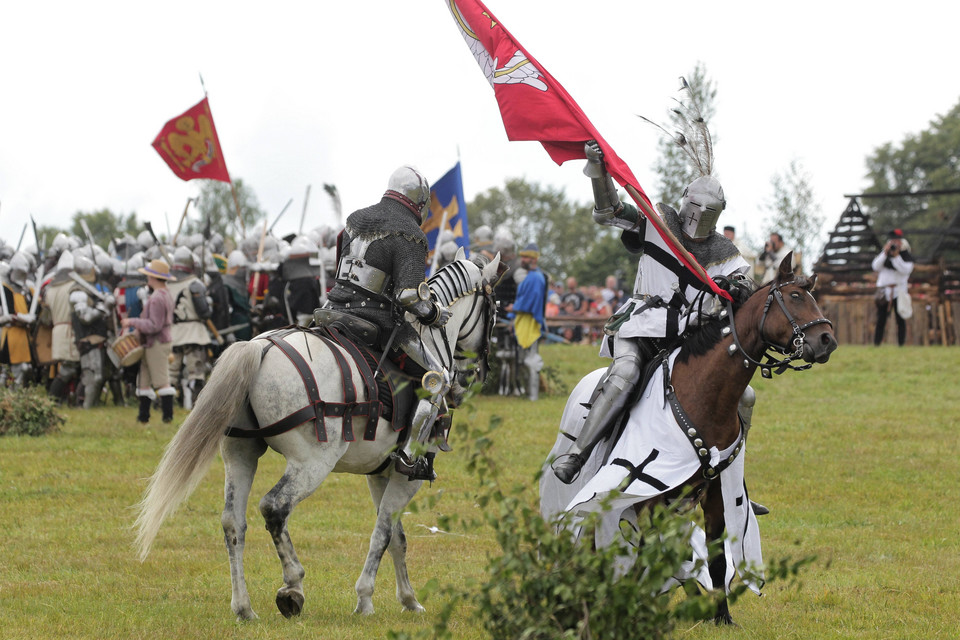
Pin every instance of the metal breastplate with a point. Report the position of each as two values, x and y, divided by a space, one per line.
354 270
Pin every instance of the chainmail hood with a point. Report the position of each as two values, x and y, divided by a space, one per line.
386 218
712 250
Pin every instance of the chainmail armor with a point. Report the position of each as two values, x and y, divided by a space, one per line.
397 246
710 251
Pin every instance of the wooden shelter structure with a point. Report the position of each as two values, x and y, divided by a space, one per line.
847 283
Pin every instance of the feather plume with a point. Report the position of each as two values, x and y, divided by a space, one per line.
693 136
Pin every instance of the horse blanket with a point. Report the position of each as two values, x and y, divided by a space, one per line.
652 456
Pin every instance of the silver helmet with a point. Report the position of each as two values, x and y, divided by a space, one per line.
701 206
83 266
19 268
412 184
236 259
183 258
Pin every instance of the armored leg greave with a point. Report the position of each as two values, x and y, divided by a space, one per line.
610 398
745 409
409 463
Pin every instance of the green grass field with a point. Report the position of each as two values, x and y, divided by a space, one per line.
857 459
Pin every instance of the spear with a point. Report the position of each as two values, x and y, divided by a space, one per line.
304 214
182 218
277 219
19 242
36 238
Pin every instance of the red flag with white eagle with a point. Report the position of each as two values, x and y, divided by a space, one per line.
189 145
534 106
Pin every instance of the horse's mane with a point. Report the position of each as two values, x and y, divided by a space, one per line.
454 280
699 340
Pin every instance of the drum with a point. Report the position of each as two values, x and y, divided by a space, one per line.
128 349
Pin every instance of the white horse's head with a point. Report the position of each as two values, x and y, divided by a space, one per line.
465 288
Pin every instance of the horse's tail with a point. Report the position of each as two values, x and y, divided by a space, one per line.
189 454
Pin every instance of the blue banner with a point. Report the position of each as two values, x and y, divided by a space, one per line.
447 212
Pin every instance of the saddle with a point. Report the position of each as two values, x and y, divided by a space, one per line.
390 393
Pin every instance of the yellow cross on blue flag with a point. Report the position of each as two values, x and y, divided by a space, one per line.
447 213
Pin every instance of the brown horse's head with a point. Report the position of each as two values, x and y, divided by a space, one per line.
792 320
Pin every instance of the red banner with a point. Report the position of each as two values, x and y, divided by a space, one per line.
189 145
534 106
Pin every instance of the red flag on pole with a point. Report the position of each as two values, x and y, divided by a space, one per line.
189 145
534 106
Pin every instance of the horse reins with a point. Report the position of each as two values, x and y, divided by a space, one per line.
784 363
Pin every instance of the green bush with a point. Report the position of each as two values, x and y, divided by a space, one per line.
543 585
28 412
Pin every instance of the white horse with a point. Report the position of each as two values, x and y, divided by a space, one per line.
254 386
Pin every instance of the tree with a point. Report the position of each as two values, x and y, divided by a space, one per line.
215 203
564 231
105 225
795 214
929 160
673 167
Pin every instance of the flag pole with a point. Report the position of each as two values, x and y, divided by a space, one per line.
436 246
233 189
236 203
677 245
182 218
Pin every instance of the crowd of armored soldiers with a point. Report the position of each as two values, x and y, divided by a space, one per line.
60 322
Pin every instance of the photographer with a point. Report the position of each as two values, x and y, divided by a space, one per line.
773 254
893 266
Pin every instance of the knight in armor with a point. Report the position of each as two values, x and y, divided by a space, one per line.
508 351
90 319
217 294
16 320
300 274
660 308
191 310
235 282
381 279
56 297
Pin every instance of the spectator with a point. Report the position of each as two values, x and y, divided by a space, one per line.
893 266
528 323
573 299
773 254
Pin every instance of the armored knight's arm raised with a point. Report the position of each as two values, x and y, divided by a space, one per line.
85 312
420 304
609 210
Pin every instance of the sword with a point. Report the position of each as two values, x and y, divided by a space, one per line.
89 288
234 328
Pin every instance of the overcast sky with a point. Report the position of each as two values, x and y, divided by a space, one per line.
306 93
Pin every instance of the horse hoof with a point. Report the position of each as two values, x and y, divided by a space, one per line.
725 620
364 608
415 608
247 616
289 602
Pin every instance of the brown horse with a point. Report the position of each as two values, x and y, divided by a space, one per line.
710 372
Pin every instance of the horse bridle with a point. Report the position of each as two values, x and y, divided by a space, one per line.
484 291
782 364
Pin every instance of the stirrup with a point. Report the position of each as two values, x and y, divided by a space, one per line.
419 469
567 467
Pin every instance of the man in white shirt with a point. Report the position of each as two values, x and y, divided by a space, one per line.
893 266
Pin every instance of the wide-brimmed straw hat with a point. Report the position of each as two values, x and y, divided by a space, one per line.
159 269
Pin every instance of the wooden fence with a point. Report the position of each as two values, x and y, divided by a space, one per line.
847 300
